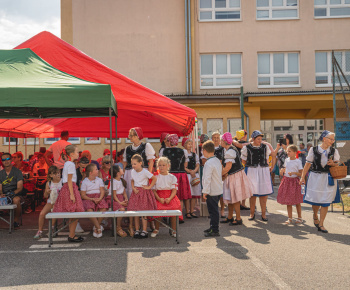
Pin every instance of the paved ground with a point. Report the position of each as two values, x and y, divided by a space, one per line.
255 255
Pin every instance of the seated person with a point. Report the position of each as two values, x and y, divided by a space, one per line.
86 153
106 152
19 163
11 185
40 168
83 162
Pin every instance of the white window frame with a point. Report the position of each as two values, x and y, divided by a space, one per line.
87 141
222 125
329 68
31 142
271 8
50 142
273 75
328 7
113 141
213 10
215 76
11 142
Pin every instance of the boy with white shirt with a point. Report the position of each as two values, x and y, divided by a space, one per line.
212 187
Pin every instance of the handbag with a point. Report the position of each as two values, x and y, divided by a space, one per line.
339 172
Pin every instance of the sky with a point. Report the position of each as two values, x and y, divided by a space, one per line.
22 19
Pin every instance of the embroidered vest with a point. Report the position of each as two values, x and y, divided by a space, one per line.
237 166
256 156
316 165
141 150
177 159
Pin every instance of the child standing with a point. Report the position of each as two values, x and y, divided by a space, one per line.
212 187
192 173
53 185
120 199
93 193
289 192
69 199
142 197
165 193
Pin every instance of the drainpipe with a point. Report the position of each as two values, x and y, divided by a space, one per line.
247 116
190 44
186 44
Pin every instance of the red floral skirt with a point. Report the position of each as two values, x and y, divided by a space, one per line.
143 200
116 205
174 204
289 192
184 188
89 204
64 203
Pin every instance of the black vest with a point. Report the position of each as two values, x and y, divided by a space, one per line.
316 165
141 150
177 159
219 153
237 166
256 156
192 161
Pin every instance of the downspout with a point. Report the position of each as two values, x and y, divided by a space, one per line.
186 44
247 116
190 44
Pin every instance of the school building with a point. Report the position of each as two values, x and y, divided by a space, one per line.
201 52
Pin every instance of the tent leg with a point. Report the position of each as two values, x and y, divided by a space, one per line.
9 144
116 137
16 144
34 145
25 147
112 161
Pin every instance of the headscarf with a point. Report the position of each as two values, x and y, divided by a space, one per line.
256 133
240 134
163 137
324 134
106 152
204 138
184 141
227 137
173 139
139 132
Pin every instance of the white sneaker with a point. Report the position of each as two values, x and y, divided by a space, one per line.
99 235
95 235
154 233
102 228
78 229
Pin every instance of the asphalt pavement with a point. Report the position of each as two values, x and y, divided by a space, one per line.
255 255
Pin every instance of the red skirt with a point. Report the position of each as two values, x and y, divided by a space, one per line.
174 204
143 200
64 203
184 188
89 204
289 192
116 205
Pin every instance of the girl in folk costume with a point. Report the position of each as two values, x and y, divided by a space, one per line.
69 199
145 150
165 193
237 186
179 160
219 153
164 143
289 191
192 174
321 189
142 197
255 157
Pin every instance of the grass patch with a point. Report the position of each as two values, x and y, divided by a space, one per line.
346 200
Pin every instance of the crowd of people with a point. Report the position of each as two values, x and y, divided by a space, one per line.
227 171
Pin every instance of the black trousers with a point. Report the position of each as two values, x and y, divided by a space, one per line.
213 209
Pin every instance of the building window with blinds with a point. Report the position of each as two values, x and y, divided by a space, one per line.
219 10
220 71
331 8
277 9
278 70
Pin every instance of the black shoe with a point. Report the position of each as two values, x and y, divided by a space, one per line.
212 234
242 207
323 231
226 221
236 223
316 225
137 235
193 215
207 230
143 235
223 216
251 218
75 239
15 225
181 221
188 215
264 219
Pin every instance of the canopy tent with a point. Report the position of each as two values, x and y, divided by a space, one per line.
31 88
137 105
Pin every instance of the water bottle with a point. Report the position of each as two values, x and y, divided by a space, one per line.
303 189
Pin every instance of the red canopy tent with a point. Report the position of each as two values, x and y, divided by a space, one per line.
137 105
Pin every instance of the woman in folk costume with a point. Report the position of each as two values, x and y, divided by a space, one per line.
164 142
179 159
255 157
237 185
145 150
321 189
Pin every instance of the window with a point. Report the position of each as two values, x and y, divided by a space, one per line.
219 10
107 140
277 9
278 70
234 125
331 8
323 67
30 141
72 140
221 71
12 141
214 125
92 140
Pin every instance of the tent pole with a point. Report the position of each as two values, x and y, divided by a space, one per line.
116 139
34 145
111 156
16 144
9 143
25 146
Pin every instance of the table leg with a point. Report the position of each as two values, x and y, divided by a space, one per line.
177 230
50 233
11 220
115 230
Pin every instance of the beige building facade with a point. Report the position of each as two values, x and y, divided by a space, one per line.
277 50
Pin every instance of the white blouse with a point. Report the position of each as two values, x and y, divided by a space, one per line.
117 186
92 186
230 155
150 153
69 168
141 178
292 166
166 182
324 156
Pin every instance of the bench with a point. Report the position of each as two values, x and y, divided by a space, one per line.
114 215
11 208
